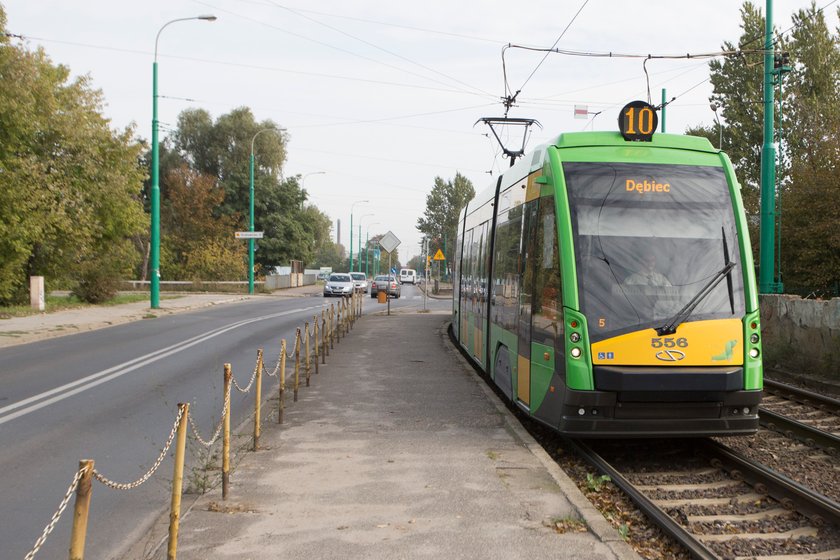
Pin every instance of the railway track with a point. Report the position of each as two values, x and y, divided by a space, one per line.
805 415
718 504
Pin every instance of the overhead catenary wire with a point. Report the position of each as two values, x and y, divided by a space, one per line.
509 99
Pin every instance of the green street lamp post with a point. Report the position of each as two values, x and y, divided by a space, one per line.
351 230
367 245
155 227
360 240
251 209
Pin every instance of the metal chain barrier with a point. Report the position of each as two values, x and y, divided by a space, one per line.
120 486
250 383
56 516
218 428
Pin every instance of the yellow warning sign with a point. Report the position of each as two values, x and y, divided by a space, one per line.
439 256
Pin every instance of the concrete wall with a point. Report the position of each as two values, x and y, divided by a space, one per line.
277 282
802 335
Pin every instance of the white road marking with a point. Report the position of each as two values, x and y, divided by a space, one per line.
80 385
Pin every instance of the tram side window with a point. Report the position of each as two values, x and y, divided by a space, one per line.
548 305
483 256
506 268
527 253
466 272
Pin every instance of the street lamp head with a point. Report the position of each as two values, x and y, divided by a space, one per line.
208 17
713 107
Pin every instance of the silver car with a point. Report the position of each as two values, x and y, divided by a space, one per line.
338 285
360 281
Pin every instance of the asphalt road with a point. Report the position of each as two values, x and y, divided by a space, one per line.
111 395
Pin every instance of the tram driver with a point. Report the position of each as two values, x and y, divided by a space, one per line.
648 276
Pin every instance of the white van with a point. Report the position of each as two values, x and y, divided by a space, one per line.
408 276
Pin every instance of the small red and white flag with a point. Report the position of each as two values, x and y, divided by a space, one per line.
581 111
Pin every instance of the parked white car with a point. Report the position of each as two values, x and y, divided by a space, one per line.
360 281
338 285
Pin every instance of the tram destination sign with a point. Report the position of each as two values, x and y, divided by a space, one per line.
248 234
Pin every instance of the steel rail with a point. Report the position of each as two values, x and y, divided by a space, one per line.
659 517
816 507
799 430
803 396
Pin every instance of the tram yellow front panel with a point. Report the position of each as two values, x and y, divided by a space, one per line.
699 343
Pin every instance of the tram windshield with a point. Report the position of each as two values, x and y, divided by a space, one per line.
648 238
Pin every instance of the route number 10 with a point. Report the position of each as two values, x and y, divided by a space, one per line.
637 121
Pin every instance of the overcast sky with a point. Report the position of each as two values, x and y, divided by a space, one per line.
382 96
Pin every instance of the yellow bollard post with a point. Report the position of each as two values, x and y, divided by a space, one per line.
177 481
324 349
81 510
226 436
332 326
307 363
282 409
257 399
297 363
315 345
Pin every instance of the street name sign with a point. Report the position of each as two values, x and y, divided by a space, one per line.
248 234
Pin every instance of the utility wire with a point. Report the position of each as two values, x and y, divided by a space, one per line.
329 46
447 89
370 44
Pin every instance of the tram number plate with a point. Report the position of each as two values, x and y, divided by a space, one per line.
668 342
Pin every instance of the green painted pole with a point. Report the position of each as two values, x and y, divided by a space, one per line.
155 234
351 240
663 110
766 284
360 244
367 250
251 228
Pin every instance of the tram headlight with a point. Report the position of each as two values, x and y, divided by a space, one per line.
754 338
754 353
574 337
575 352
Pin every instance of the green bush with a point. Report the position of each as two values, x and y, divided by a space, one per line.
97 285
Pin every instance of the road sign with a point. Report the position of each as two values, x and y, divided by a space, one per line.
376 253
439 256
248 234
389 242
394 271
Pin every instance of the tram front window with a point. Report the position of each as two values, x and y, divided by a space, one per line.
648 238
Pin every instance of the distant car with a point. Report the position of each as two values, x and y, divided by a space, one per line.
338 285
360 281
385 283
408 276
323 276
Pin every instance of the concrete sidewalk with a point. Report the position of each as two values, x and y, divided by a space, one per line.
397 450
21 330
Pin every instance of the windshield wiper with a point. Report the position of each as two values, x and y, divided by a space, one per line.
680 317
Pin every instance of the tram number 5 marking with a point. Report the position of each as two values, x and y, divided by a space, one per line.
669 342
637 121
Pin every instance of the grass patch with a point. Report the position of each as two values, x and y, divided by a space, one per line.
65 302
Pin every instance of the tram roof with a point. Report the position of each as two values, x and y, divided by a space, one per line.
593 139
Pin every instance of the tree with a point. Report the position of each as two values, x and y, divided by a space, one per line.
293 229
69 203
197 242
443 204
808 137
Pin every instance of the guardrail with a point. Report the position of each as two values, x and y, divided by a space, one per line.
326 332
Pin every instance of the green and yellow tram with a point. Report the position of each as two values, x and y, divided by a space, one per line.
605 284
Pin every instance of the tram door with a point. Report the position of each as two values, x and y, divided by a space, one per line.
540 307
526 291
